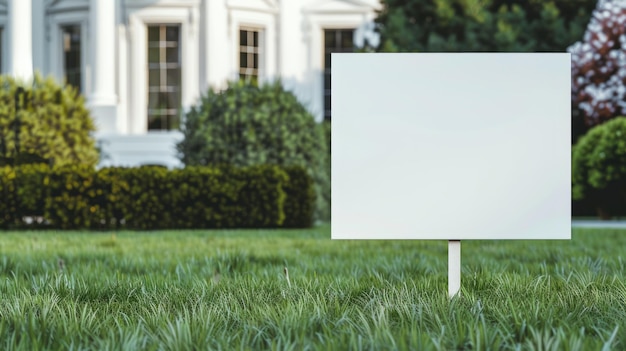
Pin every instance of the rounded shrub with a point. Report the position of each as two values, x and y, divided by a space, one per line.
599 167
247 124
53 122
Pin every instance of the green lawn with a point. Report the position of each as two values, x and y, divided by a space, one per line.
196 290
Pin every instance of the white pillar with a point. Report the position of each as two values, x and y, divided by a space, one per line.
103 99
20 63
217 39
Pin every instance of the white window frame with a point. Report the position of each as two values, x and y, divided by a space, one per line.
261 50
323 64
319 23
264 20
83 50
55 65
139 19
332 14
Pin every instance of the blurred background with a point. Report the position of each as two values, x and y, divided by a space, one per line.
181 83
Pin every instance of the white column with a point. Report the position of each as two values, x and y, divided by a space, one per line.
20 63
217 38
103 99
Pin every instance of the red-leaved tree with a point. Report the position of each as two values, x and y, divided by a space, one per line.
599 64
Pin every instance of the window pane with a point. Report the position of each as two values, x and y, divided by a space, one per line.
1 31
172 100
154 77
329 38
154 121
173 77
173 122
153 33
153 101
154 55
171 54
71 55
334 41
162 102
346 39
171 33
164 77
243 37
249 53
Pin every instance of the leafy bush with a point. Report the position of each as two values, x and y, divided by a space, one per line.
78 196
599 167
248 125
54 124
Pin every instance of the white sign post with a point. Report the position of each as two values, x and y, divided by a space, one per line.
451 147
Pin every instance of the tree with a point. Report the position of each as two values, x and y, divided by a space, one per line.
52 123
481 25
599 65
599 168
249 124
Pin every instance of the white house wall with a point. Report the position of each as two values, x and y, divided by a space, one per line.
292 50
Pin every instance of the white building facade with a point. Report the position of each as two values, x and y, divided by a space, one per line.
142 63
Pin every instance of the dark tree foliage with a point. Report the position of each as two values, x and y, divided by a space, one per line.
481 25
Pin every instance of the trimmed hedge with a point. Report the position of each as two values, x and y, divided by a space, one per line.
300 202
79 197
22 192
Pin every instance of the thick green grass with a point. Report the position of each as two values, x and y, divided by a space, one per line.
196 290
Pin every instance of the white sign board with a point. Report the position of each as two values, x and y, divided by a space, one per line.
451 146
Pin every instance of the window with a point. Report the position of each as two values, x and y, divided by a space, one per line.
249 51
335 40
1 62
164 77
71 55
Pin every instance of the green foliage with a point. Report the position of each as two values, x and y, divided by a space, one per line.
78 196
22 192
248 125
226 290
54 124
477 25
599 165
326 125
301 203
69 200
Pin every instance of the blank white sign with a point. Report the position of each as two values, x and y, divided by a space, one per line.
451 146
